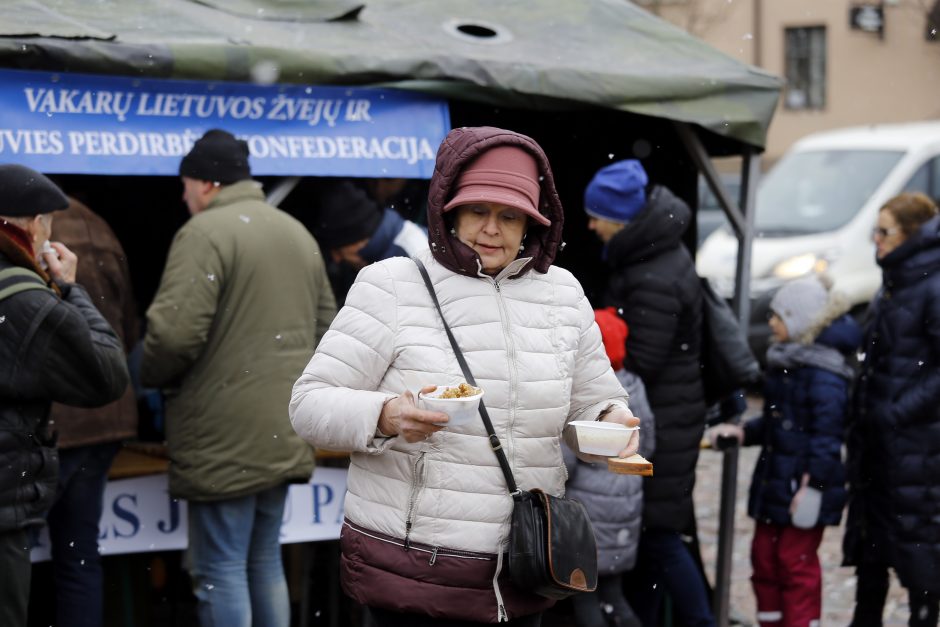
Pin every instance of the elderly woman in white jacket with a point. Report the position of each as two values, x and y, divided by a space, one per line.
427 509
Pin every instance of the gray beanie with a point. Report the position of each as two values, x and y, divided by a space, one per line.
799 304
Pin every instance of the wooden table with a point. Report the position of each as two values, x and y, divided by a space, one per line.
136 459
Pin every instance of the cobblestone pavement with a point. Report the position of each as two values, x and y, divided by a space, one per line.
838 581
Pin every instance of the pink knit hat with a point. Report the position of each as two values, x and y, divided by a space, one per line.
506 175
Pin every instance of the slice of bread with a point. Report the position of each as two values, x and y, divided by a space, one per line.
633 465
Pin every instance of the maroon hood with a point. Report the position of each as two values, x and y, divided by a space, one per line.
459 148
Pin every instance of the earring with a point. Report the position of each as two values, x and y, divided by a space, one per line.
521 247
453 231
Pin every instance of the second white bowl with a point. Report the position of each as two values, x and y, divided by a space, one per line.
602 438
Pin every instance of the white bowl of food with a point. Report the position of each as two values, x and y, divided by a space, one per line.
602 438
460 402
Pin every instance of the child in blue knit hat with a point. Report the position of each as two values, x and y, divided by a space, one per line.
799 481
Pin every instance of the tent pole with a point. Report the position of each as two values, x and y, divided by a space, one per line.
283 188
729 466
743 224
702 161
750 170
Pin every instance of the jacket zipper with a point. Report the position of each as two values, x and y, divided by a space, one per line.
512 371
416 469
501 614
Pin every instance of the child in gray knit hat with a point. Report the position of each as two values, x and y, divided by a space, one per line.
797 305
799 480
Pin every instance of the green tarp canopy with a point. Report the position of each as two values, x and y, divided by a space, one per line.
529 54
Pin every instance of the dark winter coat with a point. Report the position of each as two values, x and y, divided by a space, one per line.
894 443
394 237
614 502
103 272
806 398
655 285
51 349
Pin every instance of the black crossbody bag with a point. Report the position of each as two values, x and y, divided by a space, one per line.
552 550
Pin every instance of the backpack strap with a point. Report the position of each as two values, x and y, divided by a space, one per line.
15 280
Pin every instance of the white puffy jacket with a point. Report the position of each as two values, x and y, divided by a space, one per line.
531 344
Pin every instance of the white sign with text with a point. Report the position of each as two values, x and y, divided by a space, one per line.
140 516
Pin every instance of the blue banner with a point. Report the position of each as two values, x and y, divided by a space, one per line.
89 124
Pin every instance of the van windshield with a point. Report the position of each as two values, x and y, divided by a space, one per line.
818 191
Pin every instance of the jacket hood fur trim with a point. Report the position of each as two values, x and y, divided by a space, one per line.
836 306
460 147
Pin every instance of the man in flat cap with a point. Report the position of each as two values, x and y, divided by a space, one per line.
54 346
243 300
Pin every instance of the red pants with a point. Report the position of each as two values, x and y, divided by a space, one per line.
787 578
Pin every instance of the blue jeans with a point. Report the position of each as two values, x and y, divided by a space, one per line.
235 560
73 533
669 568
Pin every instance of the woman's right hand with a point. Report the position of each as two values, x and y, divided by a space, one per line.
400 416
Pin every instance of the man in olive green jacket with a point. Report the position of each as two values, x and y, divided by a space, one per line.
243 301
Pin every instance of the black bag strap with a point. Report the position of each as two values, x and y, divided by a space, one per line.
494 439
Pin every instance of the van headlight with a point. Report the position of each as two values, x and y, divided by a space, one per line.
801 265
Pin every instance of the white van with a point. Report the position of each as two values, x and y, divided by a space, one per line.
816 207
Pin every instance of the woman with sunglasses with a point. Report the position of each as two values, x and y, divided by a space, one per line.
894 438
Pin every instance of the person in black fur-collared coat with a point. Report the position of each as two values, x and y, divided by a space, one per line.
655 288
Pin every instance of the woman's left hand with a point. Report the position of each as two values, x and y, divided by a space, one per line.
401 416
624 417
